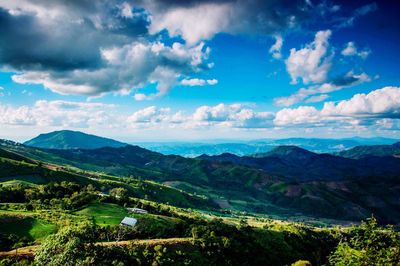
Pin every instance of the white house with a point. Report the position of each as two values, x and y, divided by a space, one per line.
128 221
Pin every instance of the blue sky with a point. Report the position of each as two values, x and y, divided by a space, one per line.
196 70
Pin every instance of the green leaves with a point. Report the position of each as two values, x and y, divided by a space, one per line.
369 245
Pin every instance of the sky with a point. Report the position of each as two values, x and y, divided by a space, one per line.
169 70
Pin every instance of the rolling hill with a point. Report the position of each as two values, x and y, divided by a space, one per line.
67 139
287 181
297 164
18 169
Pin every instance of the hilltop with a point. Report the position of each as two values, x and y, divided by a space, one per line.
68 139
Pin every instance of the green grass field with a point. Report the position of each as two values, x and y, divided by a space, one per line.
26 226
104 213
27 179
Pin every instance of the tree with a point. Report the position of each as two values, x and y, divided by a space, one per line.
71 246
119 193
369 245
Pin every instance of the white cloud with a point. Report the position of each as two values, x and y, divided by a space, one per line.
128 67
300 115
16 116
149 114
351 50
212 81
1 91
198 82
383 103
57 113
126 10
193 82
378 110
234 115
275 49
139 96
348 80
194 23
317 98
311 63
360 110
202 20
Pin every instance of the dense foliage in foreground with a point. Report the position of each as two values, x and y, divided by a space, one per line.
217 243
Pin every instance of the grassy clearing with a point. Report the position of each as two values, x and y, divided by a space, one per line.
104 213
26 226
27 179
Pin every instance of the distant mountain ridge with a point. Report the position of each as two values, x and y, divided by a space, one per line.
68 139
298 164
244 148
359 152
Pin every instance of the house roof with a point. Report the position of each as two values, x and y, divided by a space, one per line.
129 221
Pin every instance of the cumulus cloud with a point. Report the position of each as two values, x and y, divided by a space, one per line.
55 25
195 23
234 115
201 20
221 115
378 110
275 49
16 116
351 50
91 48
300 115
57 113
311 63
149 114
198 82
361 109
320 91
384 103
125 68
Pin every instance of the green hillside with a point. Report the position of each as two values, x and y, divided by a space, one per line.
312 185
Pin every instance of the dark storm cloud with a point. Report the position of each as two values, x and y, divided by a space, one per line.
245 16
24 44
68 41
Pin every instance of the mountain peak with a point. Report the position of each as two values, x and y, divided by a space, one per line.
285 150
68 139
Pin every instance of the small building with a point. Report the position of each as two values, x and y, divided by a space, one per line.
128 221
137 210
